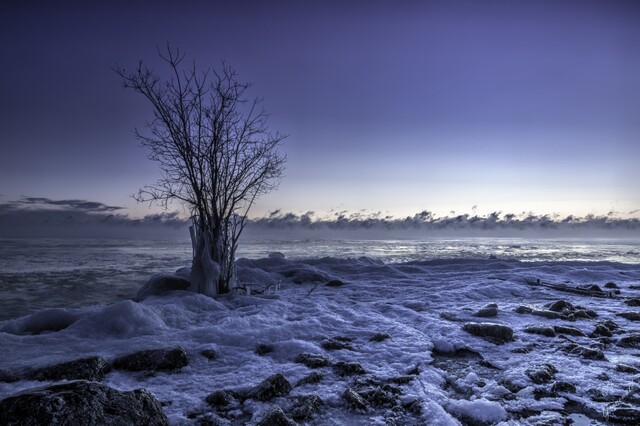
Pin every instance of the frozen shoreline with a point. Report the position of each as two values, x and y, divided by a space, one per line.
422 306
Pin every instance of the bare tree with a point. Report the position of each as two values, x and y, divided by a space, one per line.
216 156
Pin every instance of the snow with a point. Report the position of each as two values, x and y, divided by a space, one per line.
405 300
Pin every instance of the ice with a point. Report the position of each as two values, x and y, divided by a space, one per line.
421 304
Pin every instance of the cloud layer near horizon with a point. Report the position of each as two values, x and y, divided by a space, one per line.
37 216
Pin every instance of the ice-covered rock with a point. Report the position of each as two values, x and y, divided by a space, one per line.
314 377
354 400
496 333
346 368
81 403
162 284
312 360
540 374
563 387
584 352
305 406
271 387
630 341
621 412
478 412
153 360
379 337
542 330
633 302
44 321
276 417
631 316
571 331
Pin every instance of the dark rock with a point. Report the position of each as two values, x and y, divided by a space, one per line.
630 341
271 387
334 283
496 333
601 330
560 305
263 349
510 386
593 288
8 376
633 302
335 344
450 316
153 360
220 398
541 329
611 285
312 360
415 371
610 325
314 377
585 313
354 400
546 314
344 368
486 312
209 419
603 376
623 413
377 396
563 387
81 403
92 368
540 374
379 337
400 380
624 368
162 284
523 310
276 417
571 331
305 406
631 316
210 354
526 349
584 352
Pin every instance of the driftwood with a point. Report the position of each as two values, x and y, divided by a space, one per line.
576 290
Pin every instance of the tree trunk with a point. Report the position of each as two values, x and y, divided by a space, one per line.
205 273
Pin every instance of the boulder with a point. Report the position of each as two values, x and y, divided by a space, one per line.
601 331
630 341
314 377
633 302
487 311
611 285
631 316
624 368
541 329
221 398
496 333
621 412
540 374
379 337
271 387
276 417
312 360
263 349
584 352
153 360
8 376
560 305
335 344
305 406
93 368
563 387
354 400
546 314
334 283
344 368
571 331
81 403
161 284
210 354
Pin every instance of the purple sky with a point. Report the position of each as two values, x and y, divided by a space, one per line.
395 107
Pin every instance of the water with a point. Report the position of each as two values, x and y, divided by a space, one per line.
43 273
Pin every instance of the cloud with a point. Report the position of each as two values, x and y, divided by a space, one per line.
81 205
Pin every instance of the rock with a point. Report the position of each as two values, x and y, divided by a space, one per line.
379 337
611 285
314 377
210 419
631 316
487 312
271 387
305 406
584 352
496 333
546 314
161 284
523 310
585 313
92 368
81 403
263 349
7 376
540 374
571 331
335 345
210 354
633 302
601 330
334 283
563 387
220 398
344 368
153 360
560 305
354 400
541 329
610 325
276 417
630 341
312 360
377 396
621 412
593 288
624 368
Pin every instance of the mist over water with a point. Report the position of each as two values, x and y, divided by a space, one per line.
44 273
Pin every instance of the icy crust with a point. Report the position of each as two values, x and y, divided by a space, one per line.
393 320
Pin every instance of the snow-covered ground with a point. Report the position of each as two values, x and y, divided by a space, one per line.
421 305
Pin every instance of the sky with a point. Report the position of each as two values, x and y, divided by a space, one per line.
393 108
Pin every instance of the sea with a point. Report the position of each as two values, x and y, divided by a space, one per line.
40 273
